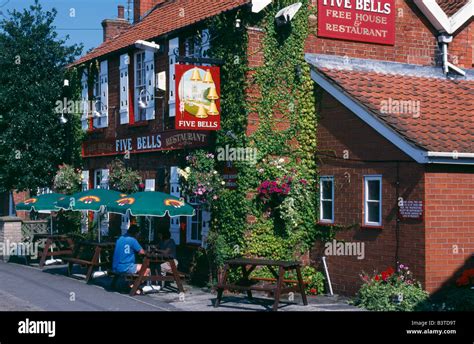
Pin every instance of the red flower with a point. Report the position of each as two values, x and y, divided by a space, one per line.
313 291
377 278
469 273
462 281
390 271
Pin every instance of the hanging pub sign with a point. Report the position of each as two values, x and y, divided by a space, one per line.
198 98
370 21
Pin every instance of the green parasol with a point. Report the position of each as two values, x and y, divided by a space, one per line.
41 203
45 203
91 200
147 203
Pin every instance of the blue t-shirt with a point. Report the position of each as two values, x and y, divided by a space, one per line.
124 254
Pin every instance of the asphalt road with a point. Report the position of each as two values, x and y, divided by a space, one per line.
24 288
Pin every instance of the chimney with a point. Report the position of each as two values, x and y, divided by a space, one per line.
113 27
141 7
121 12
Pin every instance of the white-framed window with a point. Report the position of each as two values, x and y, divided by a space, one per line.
101 95
173 47
195 224
85 180
85 102
140 85
124 93
373 201
326 199
101 179
149 185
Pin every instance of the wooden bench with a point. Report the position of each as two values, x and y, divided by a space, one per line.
89 254
150 260
54 246
246 283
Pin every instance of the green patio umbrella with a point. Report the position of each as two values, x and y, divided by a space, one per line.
45 203
94 200
151 204
41 203
91 200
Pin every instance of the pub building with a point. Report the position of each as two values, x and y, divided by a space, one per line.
395 133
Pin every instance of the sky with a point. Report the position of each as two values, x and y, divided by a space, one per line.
80 19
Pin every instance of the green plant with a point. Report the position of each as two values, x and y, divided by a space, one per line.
315 280
68 180
390 291
122 178
200 179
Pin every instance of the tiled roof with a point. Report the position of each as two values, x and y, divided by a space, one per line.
450 7
445 121
168 17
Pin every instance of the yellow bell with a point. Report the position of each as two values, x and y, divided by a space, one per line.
212 94
208 77
213 111
196 75
201 112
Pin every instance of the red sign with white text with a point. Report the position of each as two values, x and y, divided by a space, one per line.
198 95
370 21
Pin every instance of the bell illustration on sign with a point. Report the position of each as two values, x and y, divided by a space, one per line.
198 97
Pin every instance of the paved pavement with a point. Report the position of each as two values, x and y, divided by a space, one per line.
25 288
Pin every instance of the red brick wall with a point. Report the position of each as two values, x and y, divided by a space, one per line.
255 57
19 197
339 131
449 223
415 42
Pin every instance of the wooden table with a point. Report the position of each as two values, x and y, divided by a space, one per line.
151 261
90 254
247 284
64 246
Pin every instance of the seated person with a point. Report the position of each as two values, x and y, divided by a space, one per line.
167 247
124 255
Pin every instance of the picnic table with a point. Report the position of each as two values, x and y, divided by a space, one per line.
152 260
54 245
91 254
248 283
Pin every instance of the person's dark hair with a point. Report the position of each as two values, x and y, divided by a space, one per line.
133 230
166 235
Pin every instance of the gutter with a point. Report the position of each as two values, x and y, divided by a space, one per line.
446 26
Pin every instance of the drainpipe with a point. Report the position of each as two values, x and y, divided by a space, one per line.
445 39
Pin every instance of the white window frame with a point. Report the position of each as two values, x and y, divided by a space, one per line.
173 44
140 114
323 179
189 223
367 179
124 91
149 184
103 176
85 102
101 92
